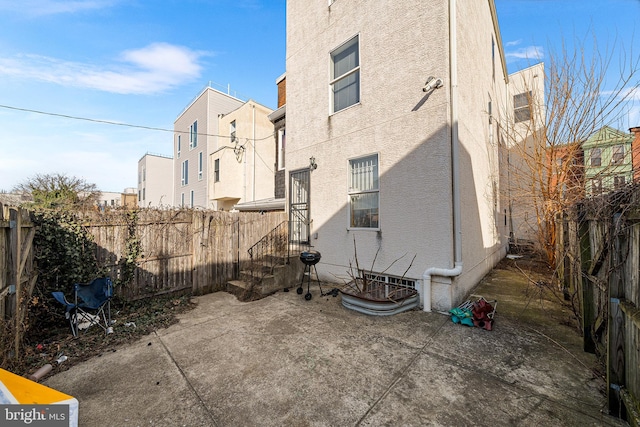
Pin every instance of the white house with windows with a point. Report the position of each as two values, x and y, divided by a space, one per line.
242 162
393 140
195 138
155 181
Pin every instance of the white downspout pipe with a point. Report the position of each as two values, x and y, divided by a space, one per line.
455 168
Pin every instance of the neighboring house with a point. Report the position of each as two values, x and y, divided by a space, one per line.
635 152
241 165
195 138
15 199
524 160
110 199
608 161
155 181
278 118
377 158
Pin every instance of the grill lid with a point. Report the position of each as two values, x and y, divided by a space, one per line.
310 257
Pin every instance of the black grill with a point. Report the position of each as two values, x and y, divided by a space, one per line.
310 257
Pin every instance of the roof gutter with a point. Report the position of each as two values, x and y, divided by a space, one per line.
455 168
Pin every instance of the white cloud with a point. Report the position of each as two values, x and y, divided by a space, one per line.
152 69
53 7
513 43
529 52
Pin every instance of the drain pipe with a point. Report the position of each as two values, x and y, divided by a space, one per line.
455 168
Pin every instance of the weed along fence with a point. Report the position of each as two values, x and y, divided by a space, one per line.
160 251
17 273
601 248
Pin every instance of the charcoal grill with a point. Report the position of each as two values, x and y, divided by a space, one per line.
309 259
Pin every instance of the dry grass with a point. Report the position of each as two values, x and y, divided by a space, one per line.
49 335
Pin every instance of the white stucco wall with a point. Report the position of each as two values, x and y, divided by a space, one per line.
400 47
205 109
247 175
155 188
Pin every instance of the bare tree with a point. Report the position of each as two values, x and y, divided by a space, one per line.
59 191
545 129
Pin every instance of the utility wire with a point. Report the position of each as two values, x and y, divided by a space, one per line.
108 122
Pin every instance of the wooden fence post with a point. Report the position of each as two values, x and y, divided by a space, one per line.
616 321
15 224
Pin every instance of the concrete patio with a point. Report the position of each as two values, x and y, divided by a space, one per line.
284 361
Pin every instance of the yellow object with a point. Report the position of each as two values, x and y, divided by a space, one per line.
15 389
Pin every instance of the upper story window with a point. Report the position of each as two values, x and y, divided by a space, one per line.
493 58
232 131
596 157
282 137
522 107
216 170
345 75
185 172
617 155
363 192
193 135
144 174
178 146
200 166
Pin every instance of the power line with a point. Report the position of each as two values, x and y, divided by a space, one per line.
108 122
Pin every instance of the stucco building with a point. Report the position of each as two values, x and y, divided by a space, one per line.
241 165
155 181
393 142
195 138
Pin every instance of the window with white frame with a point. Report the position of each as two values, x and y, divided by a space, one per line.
617 155
363 192
191 197
178 146
345 75
216 170
522 107
232 131
185 172
281 147
182 199
193 135
144 174
200 166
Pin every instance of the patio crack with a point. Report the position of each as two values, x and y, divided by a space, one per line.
193 390
402 373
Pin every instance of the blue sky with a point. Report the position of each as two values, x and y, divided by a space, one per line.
140 62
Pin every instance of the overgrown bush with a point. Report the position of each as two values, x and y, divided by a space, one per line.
64 250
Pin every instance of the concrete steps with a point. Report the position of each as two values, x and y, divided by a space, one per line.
267 278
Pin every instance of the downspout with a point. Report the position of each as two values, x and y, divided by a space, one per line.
254 151
455 168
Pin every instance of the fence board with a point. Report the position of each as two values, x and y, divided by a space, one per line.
610 297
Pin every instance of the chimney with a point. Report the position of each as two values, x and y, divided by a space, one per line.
635 153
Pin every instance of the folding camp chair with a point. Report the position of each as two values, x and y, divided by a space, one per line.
91 305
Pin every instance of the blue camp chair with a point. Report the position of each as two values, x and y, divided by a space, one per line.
91 305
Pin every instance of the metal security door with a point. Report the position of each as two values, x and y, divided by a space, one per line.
299 206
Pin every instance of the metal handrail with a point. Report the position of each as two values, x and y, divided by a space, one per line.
268 252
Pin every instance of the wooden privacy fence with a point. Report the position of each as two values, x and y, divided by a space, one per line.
17 273
170 251
601 269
